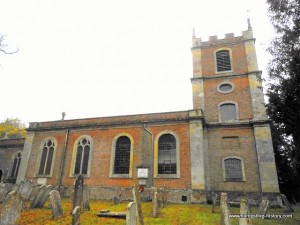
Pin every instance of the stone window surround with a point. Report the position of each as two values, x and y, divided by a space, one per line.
40 156
112 157
12 163
236 109
156 175
74 154
226 82
243 168
215 60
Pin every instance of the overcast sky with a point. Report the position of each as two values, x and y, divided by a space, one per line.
103 58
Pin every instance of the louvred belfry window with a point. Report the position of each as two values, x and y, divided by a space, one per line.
122 156
233 170
223 60
46 158
82 156
167 154
228 112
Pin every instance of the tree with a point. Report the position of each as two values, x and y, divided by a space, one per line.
3 46
284 86
12 128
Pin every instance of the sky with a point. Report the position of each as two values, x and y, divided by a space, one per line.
106 58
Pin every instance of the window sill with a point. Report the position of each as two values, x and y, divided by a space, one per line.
120 176
166 176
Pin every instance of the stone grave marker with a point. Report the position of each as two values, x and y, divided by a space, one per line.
263 207
45 196
86 199
164 195
224 210
244 210
36 201
25 189
137 200
76 216
115 200
78 191
55 202
155 204
131 214
11 209
286 204
3 192
215 202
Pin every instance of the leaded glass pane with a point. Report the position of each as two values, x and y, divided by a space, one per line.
43 160
228 112
167 154
122 155
233 169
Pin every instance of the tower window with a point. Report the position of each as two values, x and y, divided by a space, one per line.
167 154
228 112
233 169
223 60
82 156
122 155
46 158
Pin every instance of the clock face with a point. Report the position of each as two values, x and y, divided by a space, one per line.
142 172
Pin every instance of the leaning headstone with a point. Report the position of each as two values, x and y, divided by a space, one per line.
131 214
215 202
3 192
263 207
86 199
155 204
76 216
78 191
25 189
11 210
55 202
45 196
287 206
137 200
224 210
36 201
245 212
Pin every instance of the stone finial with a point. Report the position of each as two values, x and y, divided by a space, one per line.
249 24
194 33
63 115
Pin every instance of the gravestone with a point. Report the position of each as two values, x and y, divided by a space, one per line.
131 218
164 195
224 210
115 200
86 199
11 209
78 192
137 200
45 196
263 207
3 192
76 216
244 210
155 204
286 204
36 201
55 202
25 189
215 202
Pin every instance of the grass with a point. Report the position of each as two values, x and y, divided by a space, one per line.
171 214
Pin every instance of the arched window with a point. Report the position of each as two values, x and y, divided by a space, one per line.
167 154
83 151
233 169
228 112
1 175
15 165
122 155
223 60
46 157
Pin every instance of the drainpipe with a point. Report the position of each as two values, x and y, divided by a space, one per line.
152 143
63 158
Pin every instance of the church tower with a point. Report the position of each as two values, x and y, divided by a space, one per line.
227 89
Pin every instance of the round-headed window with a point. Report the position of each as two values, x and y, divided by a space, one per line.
225 88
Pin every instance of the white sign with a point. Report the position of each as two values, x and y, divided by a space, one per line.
142 172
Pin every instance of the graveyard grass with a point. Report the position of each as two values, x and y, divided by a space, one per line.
176 214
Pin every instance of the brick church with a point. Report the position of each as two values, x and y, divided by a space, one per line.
223 144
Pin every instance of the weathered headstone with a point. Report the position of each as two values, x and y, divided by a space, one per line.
45 196
224 210
244 210
11 209
25 189
55 202
215 202
78 192
36 201
137 200
131 217
86 199
155 203
115 200
263 207
76 216
287 206
3 192
164 195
